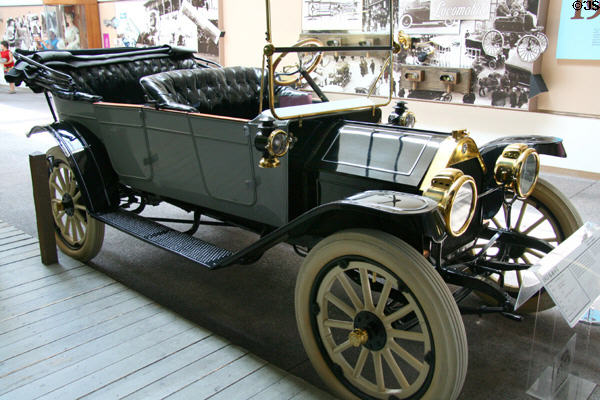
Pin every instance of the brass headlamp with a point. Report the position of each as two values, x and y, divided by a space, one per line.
518 168
456 194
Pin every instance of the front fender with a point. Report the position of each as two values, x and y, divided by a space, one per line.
89 161
408 216
490 152
550 145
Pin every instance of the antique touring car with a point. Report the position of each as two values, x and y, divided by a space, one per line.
385 214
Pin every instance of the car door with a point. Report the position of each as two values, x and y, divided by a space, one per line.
224 153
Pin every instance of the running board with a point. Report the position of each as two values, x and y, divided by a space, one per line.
185 245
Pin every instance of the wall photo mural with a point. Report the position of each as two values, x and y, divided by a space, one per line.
497 40
43 27
191 24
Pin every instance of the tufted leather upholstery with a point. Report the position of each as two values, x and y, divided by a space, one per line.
119 82
100 74
230 91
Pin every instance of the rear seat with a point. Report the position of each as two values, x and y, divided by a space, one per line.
119 81
110 75
230 91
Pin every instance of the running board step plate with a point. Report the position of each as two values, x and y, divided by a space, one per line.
164 237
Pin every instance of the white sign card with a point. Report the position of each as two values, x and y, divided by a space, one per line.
570 273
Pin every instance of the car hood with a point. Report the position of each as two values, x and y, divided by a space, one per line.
383 152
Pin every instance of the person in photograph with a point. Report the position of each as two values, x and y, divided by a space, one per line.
364 68
22 39
8 62
37 41
150 36
52 43
10 35
72 40
509 7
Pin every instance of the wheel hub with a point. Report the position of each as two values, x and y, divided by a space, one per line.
516 251
368 331
358 337
68 204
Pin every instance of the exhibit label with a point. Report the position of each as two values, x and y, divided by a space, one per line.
571 272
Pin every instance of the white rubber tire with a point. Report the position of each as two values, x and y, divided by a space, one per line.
437 304
568 220
94 233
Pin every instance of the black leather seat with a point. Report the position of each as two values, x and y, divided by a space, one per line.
119 82
230 91
110 75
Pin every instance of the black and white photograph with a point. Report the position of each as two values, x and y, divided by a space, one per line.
352 74
332 15
182 23
376 15
499 49
414 18
501 52
21 31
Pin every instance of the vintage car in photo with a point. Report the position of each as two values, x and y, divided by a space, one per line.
418 14
516 31
386 215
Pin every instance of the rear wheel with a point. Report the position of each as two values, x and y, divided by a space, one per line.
377 321
77 234
529 48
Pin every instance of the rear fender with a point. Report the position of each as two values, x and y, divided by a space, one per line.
89 161
407 216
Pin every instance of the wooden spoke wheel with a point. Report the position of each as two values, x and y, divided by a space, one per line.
377 321
492 43
529 48
547 214
77 234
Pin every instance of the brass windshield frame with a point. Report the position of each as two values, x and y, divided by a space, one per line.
270 50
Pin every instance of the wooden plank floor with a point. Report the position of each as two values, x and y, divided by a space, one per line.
70 332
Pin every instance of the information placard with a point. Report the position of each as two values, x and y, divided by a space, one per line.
570 273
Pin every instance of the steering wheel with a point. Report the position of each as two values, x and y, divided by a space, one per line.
291 73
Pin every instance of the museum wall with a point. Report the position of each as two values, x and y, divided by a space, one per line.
573 85
245 27
573 88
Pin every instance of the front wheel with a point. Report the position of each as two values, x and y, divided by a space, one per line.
492 43
377 321
546 214
406 21
78 235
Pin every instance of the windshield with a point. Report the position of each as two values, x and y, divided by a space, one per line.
308 54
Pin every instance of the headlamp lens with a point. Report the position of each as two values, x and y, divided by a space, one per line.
461 207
